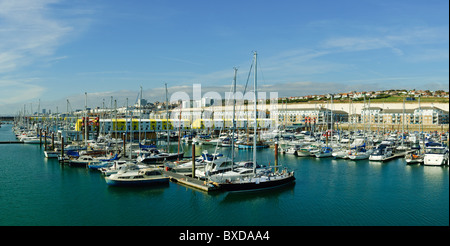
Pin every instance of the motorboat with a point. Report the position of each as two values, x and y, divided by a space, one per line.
103 163
308 150
83 160
217 166
435 155
147 176
185 166
52 153
292 150
381 153
155 156
31 140
121 166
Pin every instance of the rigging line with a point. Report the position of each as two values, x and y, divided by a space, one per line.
137 98
223 120
227 102
248 76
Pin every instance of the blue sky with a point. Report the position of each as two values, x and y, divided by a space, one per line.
52 50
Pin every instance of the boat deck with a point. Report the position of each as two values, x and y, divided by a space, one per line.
399 154
189 181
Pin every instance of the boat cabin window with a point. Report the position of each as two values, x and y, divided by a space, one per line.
152 173
226 164
435 151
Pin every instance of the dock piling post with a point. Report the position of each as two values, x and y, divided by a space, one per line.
62 147
124 138
276 156
40 137
45 140
193 160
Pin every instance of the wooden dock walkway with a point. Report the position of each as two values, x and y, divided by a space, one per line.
191 182
398 155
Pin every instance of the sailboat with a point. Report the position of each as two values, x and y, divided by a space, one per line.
414 157
154 156
256 180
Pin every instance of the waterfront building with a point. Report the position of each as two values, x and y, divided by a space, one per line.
431 116
319 115
427 116
379 116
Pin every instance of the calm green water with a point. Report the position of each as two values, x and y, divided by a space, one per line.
327 192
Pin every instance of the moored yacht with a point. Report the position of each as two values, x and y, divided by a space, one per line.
158 157
31 140
360 154
435 155
381 153
256 180
324 152
148 176
83 161
214 167
414 158
185 166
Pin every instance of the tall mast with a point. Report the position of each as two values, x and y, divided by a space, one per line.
234 122
66 122
167 118
140 115
255 120
115 119
403 120
85 120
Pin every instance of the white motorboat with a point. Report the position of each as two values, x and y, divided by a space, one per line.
154 156
308 150
83 160
121 166
217 166
185 166
147 176
52 153
31 140
293 150
435 155
382 152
